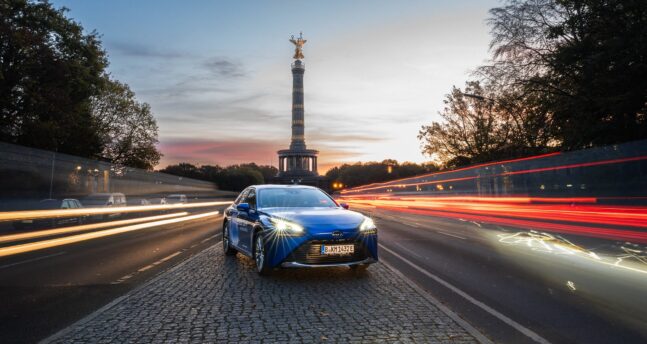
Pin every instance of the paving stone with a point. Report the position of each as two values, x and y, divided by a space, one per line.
213 298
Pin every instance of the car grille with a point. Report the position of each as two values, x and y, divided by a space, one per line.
310 253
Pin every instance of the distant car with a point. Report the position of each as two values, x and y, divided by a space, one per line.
297 226
97 200
52 204
176 199
103 200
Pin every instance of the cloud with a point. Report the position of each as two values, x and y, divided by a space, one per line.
224 67
138 50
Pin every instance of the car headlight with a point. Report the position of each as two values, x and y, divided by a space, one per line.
286 227
368 226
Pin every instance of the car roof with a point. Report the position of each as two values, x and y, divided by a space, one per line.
275 186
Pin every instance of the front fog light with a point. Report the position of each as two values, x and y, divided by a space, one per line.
368 226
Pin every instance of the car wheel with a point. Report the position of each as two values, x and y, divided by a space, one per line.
226 243
260 256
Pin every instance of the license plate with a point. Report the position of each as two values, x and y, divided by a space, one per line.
337 249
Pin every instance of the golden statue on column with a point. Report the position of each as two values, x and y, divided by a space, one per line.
298 44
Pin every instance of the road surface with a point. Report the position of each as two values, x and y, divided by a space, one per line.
513 285
46 290
518 286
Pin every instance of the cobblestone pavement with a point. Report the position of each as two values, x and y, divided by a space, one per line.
212 298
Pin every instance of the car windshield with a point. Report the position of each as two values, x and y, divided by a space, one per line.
293 198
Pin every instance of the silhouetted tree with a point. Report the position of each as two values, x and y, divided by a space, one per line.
372 172
584 61
49 69
471 128
127 127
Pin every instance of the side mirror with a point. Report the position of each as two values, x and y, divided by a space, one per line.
344 205
109 204
243 207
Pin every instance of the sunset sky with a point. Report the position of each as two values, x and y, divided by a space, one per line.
217 74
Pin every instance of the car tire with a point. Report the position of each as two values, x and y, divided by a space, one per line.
226 243
260 256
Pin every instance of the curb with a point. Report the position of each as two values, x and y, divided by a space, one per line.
460 321
111 304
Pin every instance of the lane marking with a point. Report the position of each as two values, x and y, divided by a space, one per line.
211 237
524 330
146 268
451 235
31 260
170 256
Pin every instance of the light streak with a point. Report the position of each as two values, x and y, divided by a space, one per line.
389 183
415 181
548 244
23 248
39 214
542 217
73 229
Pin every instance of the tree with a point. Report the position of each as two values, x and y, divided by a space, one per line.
472 129
372 172
49 69
183 169
584 60
127 127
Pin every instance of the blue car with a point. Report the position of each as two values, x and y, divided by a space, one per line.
297 226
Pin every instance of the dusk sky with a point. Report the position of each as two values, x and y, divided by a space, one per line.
217 74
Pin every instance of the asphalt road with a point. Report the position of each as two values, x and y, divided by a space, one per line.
518 286
46 290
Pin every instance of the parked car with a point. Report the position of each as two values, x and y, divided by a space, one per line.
52 204
176 199
297 226
103 200
95 200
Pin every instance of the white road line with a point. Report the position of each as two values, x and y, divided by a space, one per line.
31 260
526 331
209 238
146 268
451 235
170 256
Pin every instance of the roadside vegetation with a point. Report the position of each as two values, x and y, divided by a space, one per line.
563 75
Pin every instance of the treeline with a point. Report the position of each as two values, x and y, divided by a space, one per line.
230 178
56 94
350 175
563 75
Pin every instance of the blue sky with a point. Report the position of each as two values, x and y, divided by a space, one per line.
217 74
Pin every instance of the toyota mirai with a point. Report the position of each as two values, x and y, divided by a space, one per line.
297 226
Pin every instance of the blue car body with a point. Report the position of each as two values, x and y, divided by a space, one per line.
321 226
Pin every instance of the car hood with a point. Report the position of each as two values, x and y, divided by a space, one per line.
331 218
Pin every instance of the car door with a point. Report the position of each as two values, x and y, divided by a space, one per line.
233 213
246 221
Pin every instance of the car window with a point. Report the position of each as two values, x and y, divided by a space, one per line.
241 197
65 205
251 198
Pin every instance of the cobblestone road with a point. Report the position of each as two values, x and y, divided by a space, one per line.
212 298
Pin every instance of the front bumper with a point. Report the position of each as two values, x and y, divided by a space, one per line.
302 265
